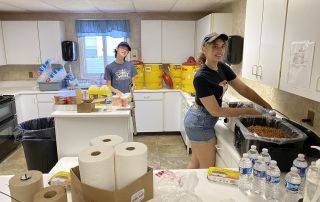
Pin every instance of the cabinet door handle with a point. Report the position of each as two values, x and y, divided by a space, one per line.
259 71
146 97
218 147
317 85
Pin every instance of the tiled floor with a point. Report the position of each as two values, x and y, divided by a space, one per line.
165 151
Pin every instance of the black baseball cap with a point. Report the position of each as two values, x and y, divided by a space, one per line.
213 36
124 44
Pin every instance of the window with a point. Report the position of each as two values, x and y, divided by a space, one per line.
95 53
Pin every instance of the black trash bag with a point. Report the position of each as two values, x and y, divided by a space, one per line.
39 143
42 128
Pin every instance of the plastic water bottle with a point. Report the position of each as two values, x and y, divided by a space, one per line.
259 176
253 154
301 164
245 170
108 103
293 181
265 155
272 181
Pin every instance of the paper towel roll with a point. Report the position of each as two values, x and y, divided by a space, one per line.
24 186
110 140
96 165
130 162
51 194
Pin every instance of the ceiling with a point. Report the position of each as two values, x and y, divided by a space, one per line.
113 6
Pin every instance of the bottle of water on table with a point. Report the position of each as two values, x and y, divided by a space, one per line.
272 190
266 156
301 164
245 170
253 154
259 176
293 181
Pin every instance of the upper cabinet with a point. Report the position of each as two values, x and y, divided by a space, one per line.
300 64
177 41
32 42
51 34
2 53
21 42
263 40
215 22
151 41
167 41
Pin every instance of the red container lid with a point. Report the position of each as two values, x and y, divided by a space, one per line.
137 62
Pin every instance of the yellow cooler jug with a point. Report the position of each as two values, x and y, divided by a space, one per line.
153 76
188 71
139 77
175 74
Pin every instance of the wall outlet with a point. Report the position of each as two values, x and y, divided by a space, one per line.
30 75
310 116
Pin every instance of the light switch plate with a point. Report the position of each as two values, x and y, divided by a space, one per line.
134 54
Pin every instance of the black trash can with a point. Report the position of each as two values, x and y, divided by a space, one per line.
38 139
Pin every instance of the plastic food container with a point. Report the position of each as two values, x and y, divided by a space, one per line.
116 101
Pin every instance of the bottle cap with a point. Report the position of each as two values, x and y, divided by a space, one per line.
265 150
301 156
273 162
253 147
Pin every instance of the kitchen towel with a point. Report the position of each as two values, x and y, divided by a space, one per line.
108 140
96 165
24 186
130 162
51 194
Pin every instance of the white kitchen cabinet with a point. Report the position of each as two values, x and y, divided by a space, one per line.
21 42
3 60
45 104
26 107
151 41
214 22
172 111
149 112
51 34
263 39
301 26
177 41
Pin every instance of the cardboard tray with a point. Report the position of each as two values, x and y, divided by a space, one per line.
139 190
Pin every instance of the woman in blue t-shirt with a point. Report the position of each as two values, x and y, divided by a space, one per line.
120 73
210 83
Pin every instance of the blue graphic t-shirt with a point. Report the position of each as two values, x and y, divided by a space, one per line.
120 75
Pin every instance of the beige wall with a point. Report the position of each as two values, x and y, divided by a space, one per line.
21 72
295 107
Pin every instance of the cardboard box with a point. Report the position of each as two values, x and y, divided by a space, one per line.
139 190
88 106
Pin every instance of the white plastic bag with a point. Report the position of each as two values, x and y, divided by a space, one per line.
44 71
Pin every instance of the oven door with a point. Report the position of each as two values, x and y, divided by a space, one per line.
7 110
7 143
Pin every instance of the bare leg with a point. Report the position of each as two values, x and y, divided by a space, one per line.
194 163
205 153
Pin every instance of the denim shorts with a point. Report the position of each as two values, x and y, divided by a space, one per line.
199 125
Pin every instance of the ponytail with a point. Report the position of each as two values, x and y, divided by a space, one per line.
201 58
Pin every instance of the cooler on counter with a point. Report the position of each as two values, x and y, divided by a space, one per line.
283 150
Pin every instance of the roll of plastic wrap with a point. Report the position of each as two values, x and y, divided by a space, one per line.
51 194
96 165
130 162
109 140
24 186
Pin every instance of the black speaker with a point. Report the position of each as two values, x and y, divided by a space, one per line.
69 51
235 50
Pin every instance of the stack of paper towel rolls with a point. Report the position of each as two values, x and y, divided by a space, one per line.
111 168
108 140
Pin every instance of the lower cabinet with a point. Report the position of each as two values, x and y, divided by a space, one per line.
149 112
26 107
224 157
33 106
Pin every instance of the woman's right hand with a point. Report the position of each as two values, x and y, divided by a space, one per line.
118 92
